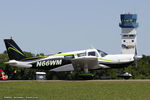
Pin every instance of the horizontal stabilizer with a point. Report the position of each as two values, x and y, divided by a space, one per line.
11 62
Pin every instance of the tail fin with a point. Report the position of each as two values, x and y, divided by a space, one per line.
13 50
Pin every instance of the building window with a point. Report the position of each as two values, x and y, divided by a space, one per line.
125 36
132 40
131 36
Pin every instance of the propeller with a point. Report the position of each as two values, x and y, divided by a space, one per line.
136 58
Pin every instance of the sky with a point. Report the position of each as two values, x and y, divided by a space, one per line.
51 26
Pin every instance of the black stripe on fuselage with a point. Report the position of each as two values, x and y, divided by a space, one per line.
50 63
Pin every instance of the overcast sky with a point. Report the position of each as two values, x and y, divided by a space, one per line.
50 26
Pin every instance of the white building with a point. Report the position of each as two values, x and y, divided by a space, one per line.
128 26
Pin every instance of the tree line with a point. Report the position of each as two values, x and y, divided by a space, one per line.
142 71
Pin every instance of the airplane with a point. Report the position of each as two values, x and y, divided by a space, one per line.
82 60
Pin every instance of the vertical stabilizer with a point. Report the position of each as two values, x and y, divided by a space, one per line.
13 50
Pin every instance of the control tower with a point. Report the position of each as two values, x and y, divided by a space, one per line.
128 35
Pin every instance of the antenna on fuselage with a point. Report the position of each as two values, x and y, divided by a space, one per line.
92 47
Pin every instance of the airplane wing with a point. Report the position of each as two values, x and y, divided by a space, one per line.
81 63
89 62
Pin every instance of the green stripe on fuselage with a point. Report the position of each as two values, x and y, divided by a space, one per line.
61 55
107 60
32 58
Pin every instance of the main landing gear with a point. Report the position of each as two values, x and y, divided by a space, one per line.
124 75
86 76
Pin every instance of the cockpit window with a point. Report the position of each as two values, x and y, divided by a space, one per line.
91 54
102 53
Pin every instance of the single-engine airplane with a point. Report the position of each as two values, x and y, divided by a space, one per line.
83 60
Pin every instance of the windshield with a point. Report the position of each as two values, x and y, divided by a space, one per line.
102 53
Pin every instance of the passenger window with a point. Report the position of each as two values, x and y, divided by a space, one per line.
69 57
91 54
81 54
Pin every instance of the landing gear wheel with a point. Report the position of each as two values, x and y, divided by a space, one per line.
86 76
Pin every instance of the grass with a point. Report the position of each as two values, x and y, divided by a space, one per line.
76 90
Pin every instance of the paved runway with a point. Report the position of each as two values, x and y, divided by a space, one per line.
78 80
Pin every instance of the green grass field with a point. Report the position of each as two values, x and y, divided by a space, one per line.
76 90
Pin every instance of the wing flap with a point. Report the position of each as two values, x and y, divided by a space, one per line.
68 67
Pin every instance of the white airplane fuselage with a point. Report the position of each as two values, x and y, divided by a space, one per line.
90 59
